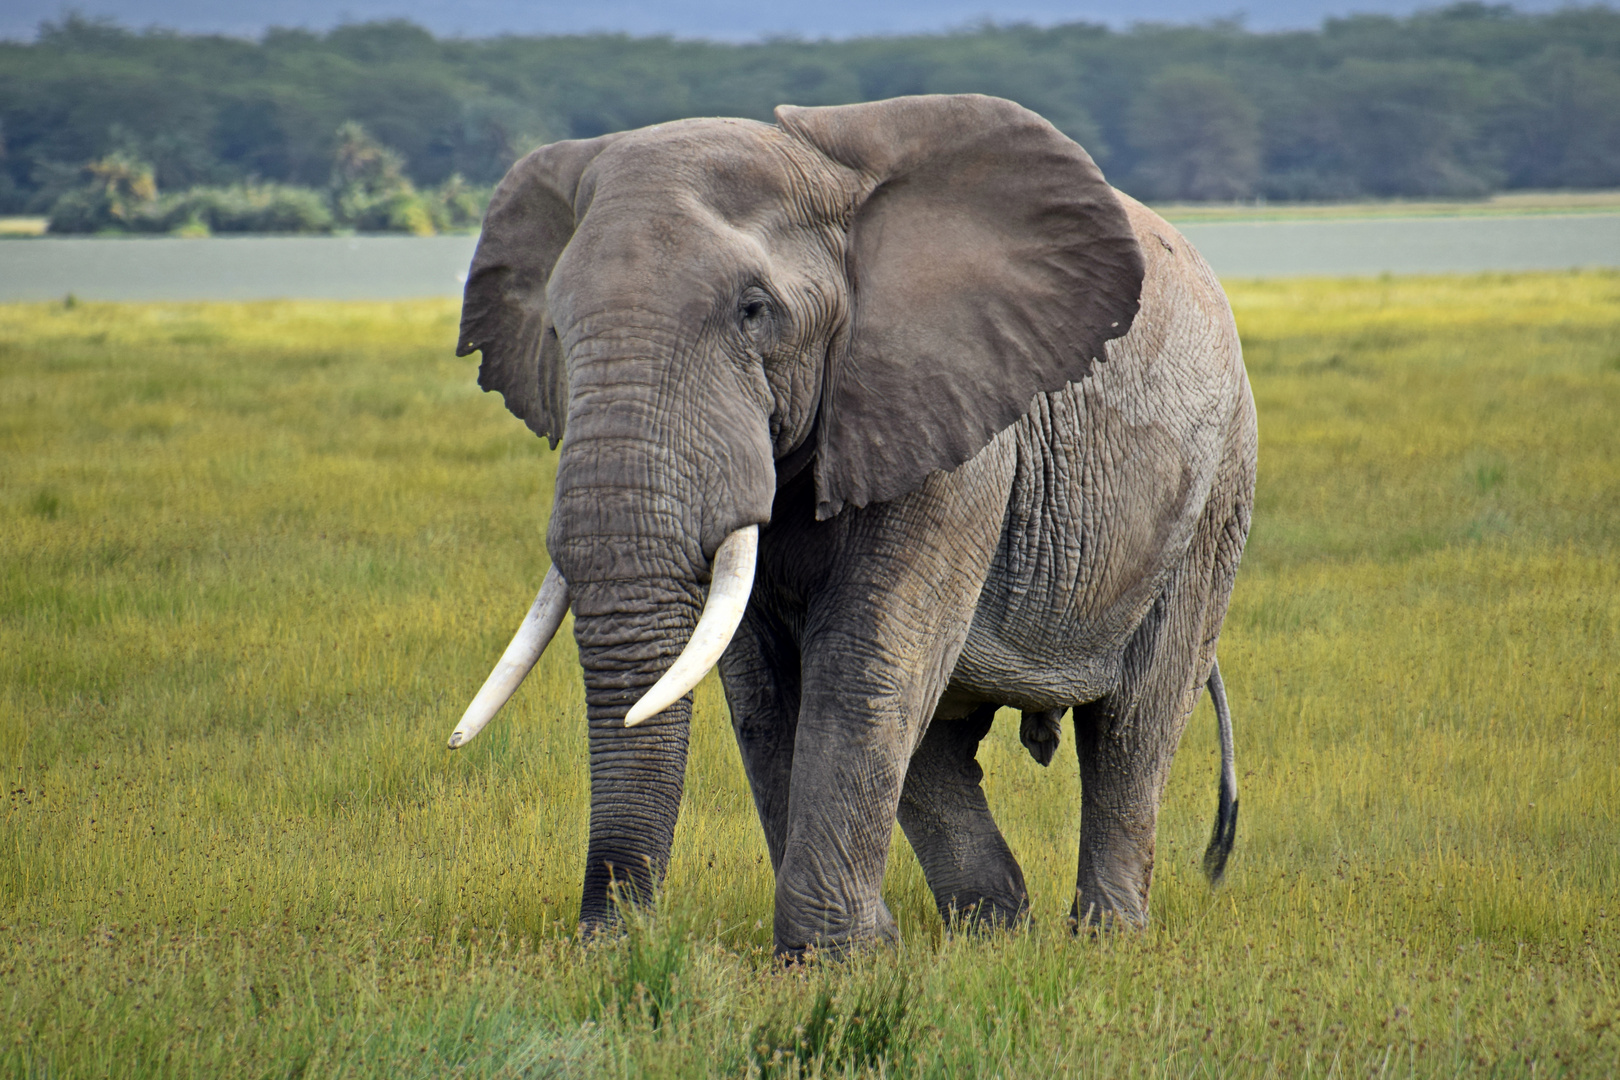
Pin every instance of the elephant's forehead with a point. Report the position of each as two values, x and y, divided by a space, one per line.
738 169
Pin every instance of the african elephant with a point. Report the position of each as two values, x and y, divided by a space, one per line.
948 422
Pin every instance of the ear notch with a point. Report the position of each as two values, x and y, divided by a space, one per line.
530 220
988 262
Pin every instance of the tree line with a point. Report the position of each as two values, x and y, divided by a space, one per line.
1460 101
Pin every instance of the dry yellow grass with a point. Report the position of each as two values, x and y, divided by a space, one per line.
1502 204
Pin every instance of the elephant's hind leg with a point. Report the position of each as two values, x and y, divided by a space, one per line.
1126 740
969 867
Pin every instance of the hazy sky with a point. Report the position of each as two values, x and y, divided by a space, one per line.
730 20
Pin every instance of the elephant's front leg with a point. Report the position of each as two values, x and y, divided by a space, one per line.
970 869
880 640
760 670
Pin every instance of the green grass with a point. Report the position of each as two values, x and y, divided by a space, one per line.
254 560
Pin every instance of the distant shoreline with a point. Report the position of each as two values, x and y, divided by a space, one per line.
1502 204
1510 204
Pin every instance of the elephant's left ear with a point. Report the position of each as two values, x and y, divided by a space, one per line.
988 261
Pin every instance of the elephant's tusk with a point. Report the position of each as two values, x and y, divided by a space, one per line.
519 658
730 584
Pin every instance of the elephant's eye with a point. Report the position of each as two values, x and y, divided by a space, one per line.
754 316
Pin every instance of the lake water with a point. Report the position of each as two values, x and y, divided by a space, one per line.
1408 245
394 267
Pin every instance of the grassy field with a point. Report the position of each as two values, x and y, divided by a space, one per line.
22 226
254 560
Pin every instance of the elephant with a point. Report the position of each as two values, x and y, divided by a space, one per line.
898 414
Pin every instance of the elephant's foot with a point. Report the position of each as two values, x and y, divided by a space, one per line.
796 946
983 914
1097 916
1117 898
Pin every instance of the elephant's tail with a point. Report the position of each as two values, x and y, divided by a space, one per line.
1226 808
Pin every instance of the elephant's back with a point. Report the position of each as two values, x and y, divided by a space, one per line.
1111 478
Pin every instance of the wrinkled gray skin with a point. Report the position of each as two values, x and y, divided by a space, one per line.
993 420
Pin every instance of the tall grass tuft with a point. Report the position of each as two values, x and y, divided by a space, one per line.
865 1029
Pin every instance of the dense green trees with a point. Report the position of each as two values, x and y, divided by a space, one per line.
1459 101
1198 135
368 192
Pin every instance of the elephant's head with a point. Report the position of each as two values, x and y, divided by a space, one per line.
701 308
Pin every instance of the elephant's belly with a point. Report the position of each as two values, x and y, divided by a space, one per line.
1103 505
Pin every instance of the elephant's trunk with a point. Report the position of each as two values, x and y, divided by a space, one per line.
638 762
649 489
628 636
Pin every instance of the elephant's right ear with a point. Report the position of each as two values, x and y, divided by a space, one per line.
530 220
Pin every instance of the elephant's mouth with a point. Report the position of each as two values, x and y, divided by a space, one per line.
731 582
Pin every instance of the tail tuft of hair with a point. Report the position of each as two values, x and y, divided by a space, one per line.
1221 840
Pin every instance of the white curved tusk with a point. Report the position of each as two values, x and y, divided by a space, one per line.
538 628
729 587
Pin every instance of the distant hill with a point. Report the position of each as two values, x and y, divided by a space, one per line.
718 20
